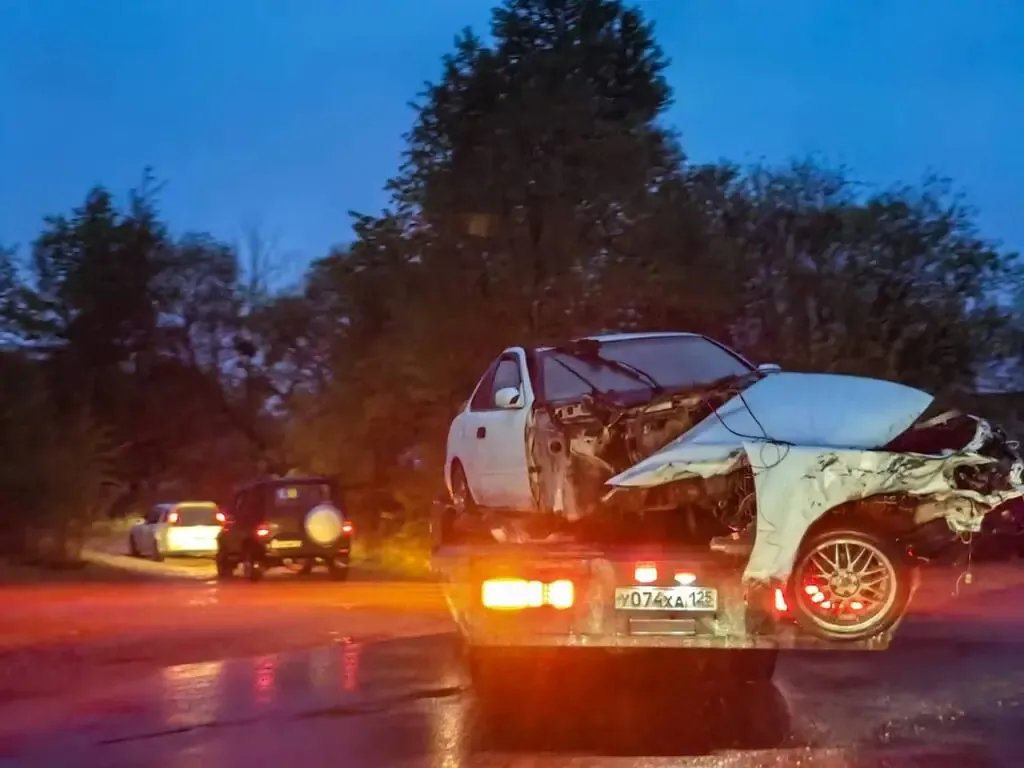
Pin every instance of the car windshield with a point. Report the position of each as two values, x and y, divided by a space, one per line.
196 514
674 362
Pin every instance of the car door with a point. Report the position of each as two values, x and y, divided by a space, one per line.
463 444
500 431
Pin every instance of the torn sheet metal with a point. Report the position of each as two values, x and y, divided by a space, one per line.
795 408
812 442
806 482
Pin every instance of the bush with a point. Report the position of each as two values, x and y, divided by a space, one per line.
406 551
55 481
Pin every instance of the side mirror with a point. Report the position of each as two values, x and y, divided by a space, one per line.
769 368
508 397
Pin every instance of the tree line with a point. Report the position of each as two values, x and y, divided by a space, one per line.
540 196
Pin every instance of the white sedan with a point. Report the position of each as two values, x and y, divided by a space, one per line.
181 528
509 447
672 438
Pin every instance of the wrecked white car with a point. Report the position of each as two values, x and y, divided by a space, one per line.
687 493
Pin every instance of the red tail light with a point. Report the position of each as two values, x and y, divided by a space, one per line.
221 518
172 518
346 527
263 531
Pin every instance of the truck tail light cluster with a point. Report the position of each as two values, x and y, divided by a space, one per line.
346 527
647 573
517 594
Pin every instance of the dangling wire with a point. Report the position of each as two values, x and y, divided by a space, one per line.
966 575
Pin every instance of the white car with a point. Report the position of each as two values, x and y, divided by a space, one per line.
180 528
504 451
809 478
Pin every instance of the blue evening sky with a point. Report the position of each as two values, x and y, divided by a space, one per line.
287 113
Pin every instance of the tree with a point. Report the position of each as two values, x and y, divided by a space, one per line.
525 163
540 198
895 284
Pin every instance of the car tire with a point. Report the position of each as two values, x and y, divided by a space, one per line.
462 496
132 549
307 567
336 571
225 569
252 567
885 562
158 556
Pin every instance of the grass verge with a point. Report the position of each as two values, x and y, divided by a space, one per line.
406 552
15 573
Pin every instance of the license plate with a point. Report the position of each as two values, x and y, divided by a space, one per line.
275 544
666 599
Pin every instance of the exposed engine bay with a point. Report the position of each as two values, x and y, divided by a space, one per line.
748 464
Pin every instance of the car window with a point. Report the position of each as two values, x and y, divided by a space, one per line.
246 507
300 497
483 395
675 362
503 372
196 514
507 374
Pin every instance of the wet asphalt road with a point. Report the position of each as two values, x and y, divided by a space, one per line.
367 674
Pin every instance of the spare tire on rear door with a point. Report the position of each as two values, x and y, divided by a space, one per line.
323 524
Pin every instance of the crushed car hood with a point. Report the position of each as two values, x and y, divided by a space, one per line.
814 442
785 408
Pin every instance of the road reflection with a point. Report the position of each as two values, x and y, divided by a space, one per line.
612 709
192 693
350 654
630 722
264 668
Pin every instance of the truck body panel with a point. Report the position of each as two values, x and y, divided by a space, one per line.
611 609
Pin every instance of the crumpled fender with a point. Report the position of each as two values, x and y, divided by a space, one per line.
795 408
812 442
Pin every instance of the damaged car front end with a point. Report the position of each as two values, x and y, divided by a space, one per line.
828 488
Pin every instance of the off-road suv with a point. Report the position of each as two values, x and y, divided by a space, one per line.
291 521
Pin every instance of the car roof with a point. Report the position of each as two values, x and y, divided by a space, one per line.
299 480
605 338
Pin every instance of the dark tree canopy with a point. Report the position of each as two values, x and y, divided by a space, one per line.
540 196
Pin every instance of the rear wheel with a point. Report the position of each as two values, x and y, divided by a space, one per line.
253 566
337 569
849 584
158 556
462 497
225 568
307 567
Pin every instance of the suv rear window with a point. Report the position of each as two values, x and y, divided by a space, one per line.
300 497
196 514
